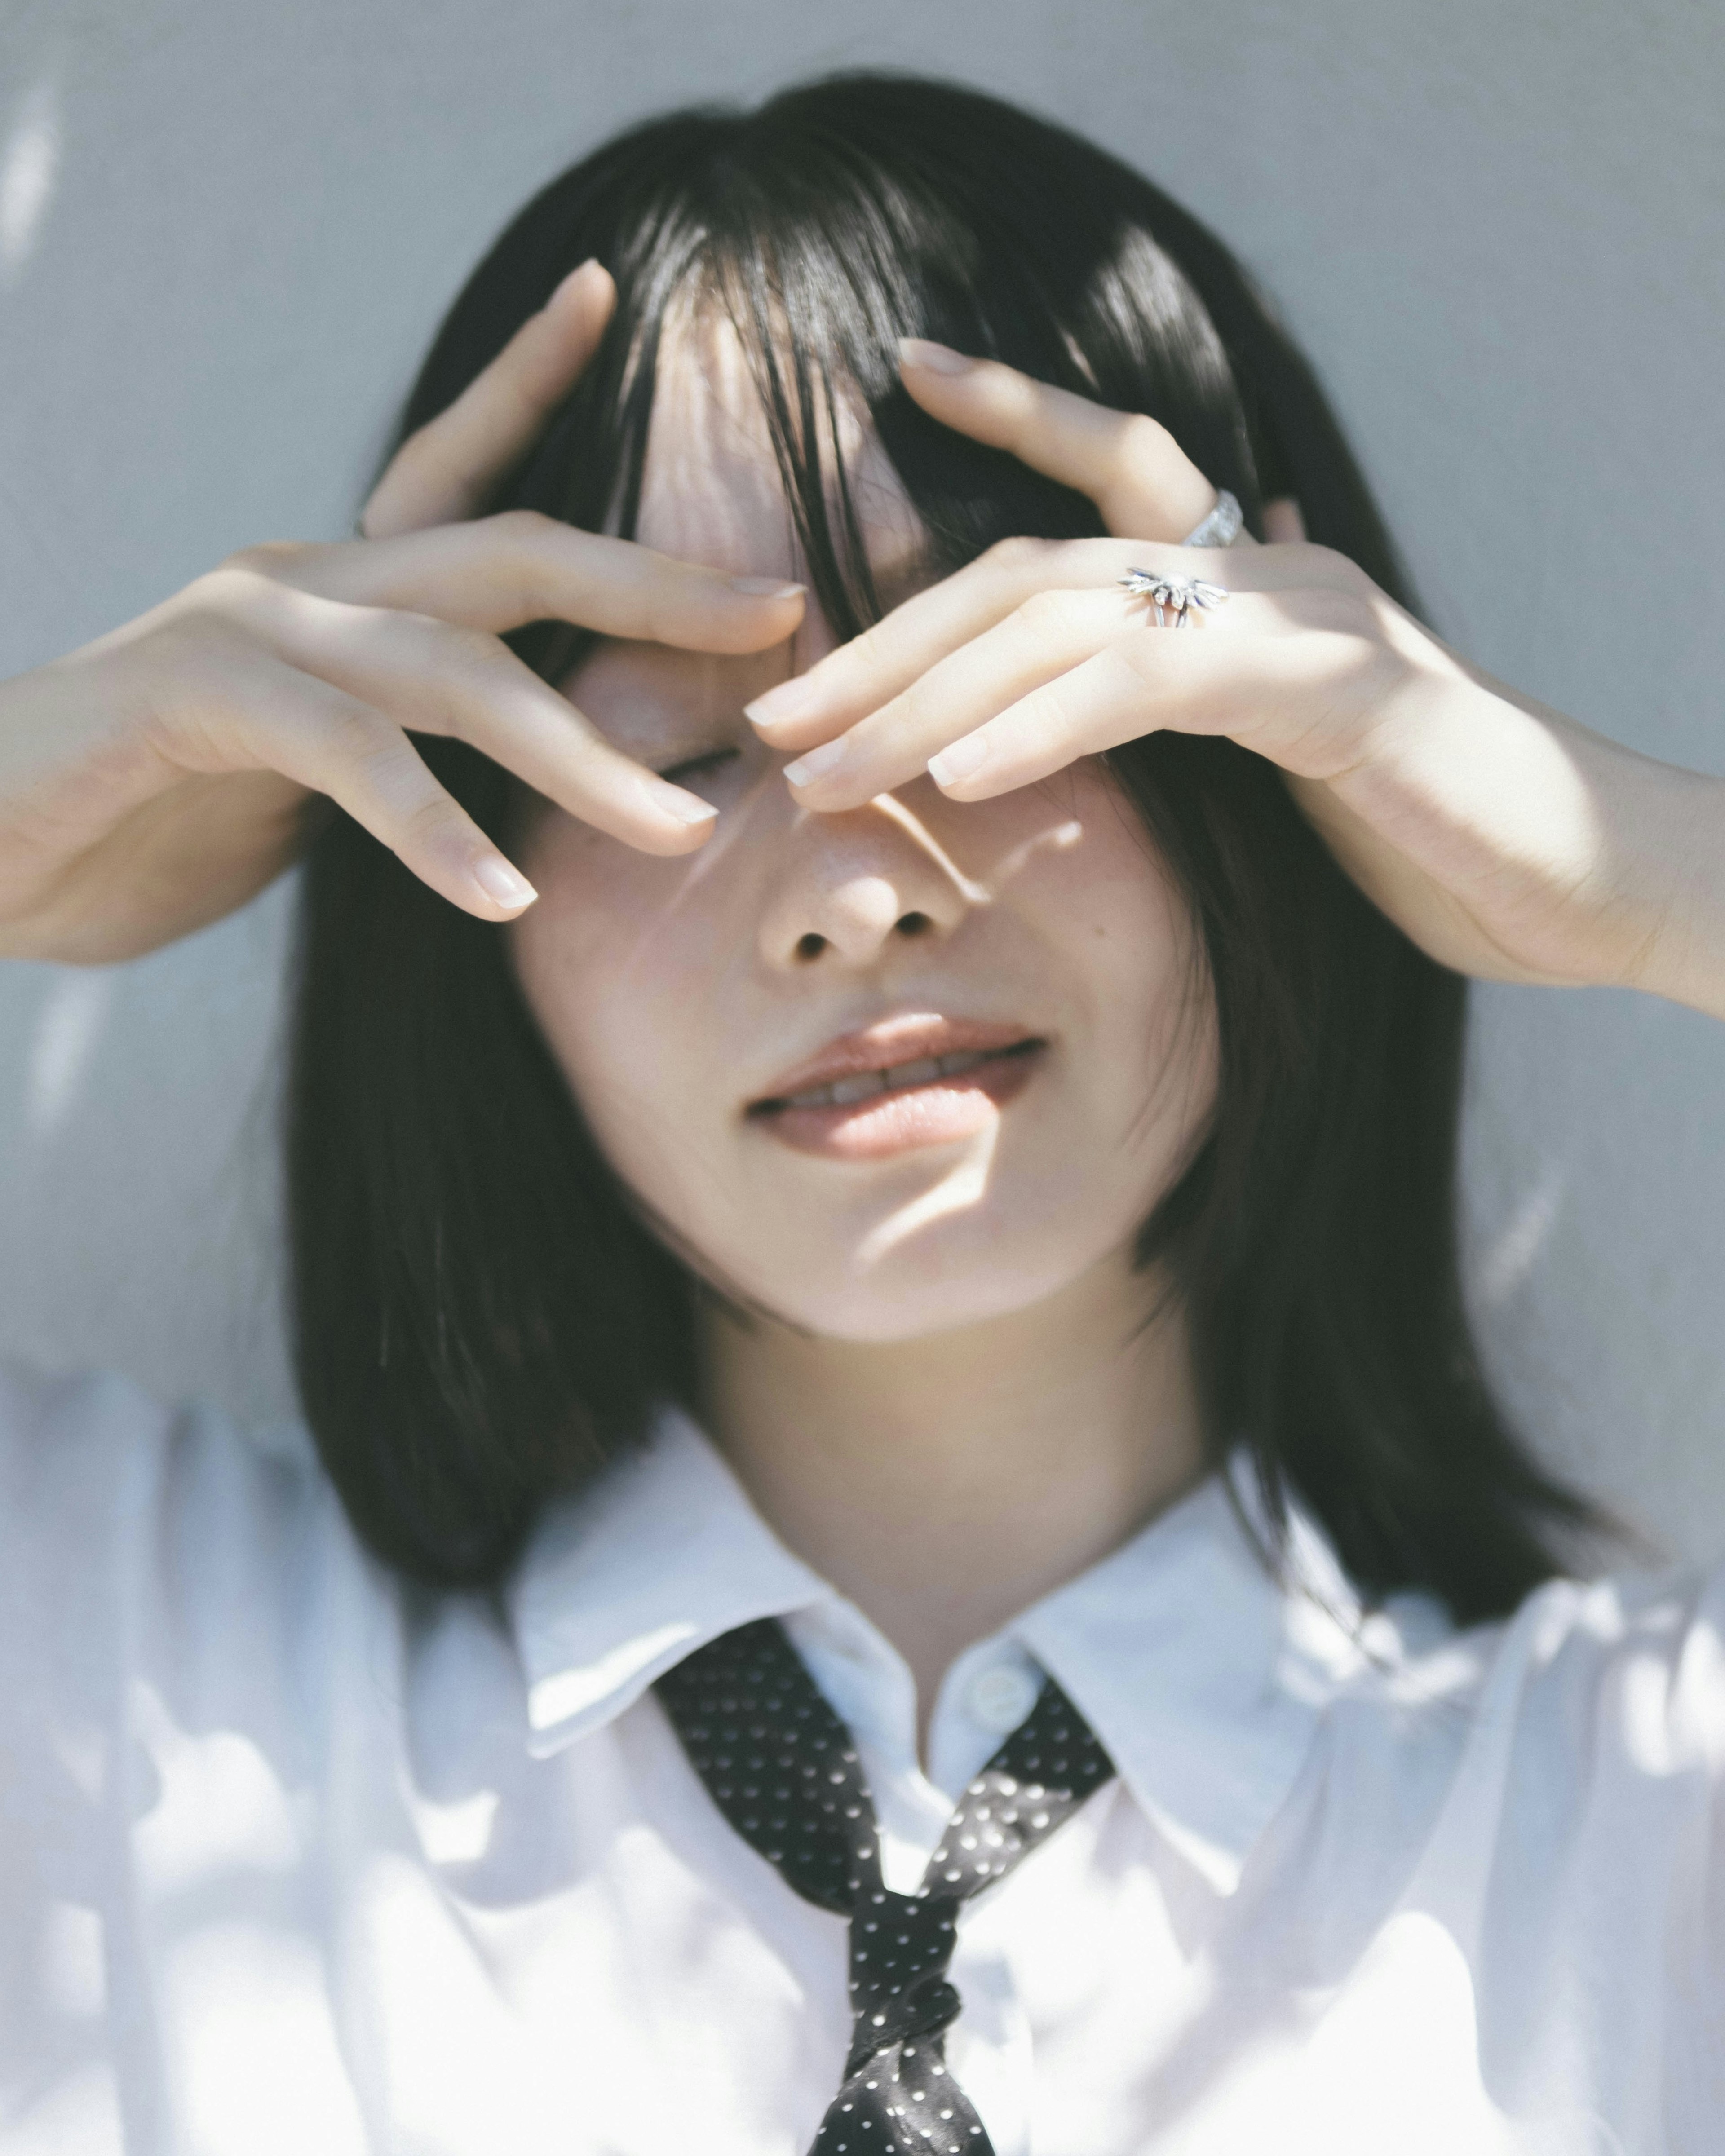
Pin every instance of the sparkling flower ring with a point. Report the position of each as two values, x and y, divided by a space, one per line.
1173 595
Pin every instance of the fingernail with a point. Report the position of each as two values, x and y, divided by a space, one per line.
502 885
687 808
938 358
820 762
788 700
563 284
766 588
958 759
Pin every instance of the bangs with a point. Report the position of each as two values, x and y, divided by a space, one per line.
822 248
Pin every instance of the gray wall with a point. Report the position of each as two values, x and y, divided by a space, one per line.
225 231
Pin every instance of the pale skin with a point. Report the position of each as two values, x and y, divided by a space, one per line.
952 1392
955 1427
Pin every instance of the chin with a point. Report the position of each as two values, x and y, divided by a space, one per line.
925 1285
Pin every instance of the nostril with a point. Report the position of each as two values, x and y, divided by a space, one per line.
914 924
810 946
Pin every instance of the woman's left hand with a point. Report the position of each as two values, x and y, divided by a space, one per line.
1504 839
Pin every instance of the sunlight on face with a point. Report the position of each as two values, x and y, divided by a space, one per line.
881 1072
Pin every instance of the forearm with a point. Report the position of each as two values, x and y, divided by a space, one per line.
1659 849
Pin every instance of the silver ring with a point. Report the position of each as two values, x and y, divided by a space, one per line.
1221 527
1173 595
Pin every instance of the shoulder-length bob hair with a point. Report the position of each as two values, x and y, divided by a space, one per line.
482 1318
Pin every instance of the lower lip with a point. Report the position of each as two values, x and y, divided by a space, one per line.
938 1113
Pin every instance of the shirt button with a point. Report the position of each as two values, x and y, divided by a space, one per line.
999 1699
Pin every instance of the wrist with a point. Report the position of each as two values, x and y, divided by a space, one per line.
1683 956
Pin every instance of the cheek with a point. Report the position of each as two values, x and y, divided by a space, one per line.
1095 894
608 959
1142 1096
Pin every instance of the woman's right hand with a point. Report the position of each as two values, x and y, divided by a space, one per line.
156 779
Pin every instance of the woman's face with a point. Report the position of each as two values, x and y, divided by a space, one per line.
882 1073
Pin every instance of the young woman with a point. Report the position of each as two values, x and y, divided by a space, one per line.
901 1544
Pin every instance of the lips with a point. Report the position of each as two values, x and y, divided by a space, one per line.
906 1082
865 1085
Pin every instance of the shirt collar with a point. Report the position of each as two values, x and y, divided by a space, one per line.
616 1586
1203 1675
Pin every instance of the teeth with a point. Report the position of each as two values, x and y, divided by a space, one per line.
844 1092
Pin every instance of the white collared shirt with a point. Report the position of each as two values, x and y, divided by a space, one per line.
295 1859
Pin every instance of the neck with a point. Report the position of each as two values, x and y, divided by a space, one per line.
943 1484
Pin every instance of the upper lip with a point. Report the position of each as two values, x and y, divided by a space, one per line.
888 1044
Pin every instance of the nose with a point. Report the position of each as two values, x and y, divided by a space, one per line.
856 886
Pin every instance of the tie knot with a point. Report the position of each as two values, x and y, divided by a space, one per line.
899 1946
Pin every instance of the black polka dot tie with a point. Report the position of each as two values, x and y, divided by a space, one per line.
782 1768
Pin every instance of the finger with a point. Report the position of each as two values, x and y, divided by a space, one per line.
503 571
861 675
1039 642
1052 632
1304 701
445 471
333 743
1132 469
422 673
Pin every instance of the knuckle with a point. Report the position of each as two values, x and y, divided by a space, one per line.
1020 552
1136 654
457 645
197 626
1044 612
431 818
181 673
870 652
198 652
653 615
1340 570
355 736
517 560
219 594
269 557
524 527
1057 708
260 589
1347 613
1382 672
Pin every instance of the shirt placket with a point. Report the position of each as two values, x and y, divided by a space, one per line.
868 1684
